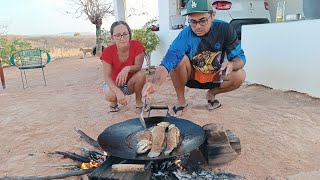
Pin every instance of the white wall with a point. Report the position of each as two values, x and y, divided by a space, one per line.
284 55
165 34
166 39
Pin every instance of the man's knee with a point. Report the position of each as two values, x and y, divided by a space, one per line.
184 65
238 77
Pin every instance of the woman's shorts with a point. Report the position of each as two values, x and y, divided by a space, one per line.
123 88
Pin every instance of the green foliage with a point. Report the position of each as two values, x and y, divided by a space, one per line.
10 47
77 34
148 38
152 21
150 41
106 37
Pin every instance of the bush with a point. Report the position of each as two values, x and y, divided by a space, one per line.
10 47
106 37
150 41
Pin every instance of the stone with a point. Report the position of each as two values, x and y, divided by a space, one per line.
215 134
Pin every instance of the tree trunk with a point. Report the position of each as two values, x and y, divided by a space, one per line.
148 59
2 76
98 39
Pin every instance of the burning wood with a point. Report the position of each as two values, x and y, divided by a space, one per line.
91 164
178 164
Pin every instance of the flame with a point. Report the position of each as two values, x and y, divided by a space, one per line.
91 164
178 164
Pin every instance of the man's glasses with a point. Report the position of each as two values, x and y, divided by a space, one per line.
202 22
119 36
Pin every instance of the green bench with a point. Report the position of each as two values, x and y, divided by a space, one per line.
30 59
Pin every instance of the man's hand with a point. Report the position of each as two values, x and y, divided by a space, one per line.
148 89
122 76
228 66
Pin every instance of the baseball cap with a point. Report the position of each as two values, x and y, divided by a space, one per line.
197 6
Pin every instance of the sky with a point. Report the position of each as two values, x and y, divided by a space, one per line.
49 17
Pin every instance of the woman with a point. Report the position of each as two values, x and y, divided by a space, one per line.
122 63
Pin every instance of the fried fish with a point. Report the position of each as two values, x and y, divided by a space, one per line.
172 139
158 138
144 141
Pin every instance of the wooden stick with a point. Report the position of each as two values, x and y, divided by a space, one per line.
127 168
57 176
58 165
89 140
73 156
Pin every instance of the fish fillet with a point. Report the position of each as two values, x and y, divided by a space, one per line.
173 136
158 138
144 141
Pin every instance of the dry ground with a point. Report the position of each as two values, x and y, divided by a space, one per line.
279 131
59 46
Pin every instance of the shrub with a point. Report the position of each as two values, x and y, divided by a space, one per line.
10 47
150 41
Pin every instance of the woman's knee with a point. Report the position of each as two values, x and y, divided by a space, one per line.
139 77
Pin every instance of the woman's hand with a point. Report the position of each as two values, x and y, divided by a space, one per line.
122 76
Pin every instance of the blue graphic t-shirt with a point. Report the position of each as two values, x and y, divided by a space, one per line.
206 53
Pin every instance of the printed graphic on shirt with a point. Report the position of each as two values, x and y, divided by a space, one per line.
206 66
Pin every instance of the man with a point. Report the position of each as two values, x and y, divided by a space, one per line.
196 58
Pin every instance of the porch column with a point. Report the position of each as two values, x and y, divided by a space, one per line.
120 10
164 15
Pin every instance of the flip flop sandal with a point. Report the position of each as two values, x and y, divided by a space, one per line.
176 109
213 104
114 108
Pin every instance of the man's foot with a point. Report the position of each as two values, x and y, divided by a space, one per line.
114 108
213 104
176 111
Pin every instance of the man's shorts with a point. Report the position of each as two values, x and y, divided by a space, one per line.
196 84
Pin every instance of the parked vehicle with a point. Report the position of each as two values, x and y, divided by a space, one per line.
241 12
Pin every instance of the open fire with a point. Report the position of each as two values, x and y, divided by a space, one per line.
91 164
220 147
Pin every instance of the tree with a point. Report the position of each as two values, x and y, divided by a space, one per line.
106 37
95 10
10 47
150 41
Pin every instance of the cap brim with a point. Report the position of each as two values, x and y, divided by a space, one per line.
195 12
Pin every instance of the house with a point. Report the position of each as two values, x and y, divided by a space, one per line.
279 55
